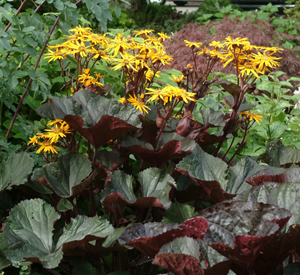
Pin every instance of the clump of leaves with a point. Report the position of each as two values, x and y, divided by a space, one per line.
131 188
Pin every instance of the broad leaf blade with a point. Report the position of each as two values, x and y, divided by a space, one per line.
181 256
68 172
150 237
178 213
156 183
14 169
83 227
208 171
28 233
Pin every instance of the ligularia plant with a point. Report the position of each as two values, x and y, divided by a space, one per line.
136 182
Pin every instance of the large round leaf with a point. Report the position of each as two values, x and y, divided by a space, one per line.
239 230
150 237
14 169
64 175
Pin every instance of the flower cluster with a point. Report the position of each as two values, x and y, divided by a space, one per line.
51 136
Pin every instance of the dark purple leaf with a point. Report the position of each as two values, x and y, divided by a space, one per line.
240 230
150 237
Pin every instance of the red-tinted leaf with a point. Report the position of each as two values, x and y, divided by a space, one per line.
106 129
240 230
171 147
259 180
179 264
150 237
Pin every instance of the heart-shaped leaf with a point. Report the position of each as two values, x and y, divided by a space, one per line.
207 171
29 233
181 256
280 156
178 213
14 169
69 171
150 237
155 189
239 230
170 146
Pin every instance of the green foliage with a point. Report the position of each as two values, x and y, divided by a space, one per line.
123 21
146 191
293 13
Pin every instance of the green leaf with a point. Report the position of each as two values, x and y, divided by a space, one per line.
118 10
3 261
284 195
157 184
178 213
65 174
82 266
155 189
83 226
29 231
204 167
244 169
292 269
14 169
276 130
279 155
120 183
111 239
28 29
91 107
212 117
13 81
64 205
59 5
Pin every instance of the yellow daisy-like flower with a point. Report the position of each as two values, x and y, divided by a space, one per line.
163 36
58 132
142 32
138 104
55 122
264 60
236 42
34 140
216 44
122 100
119 44
126 60
178 79
256 117
193 44
80 30
47 146
54 55
249 68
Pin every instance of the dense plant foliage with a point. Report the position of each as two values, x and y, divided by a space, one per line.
138 183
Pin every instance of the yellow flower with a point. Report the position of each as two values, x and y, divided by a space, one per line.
122 100
178 79
264 60
249 68
47 146
142 32
119 44
80 30
234 43
54 122
216 44
58 132
34 140
138 104
163 36
126 60
256 117
78 47
54 55
193 44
